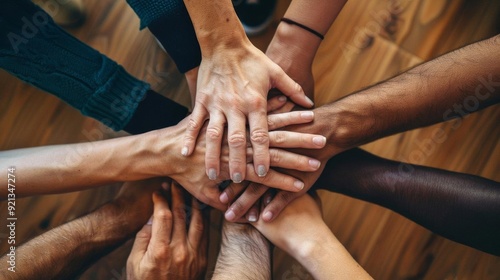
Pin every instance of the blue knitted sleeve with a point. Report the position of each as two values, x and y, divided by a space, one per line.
36 50
169 21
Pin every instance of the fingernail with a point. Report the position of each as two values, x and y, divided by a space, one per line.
319 140
184 151
252 217
230 215
314 163
308 115
261 171
309 101
299 185
267 216
212 174
237 178
224 198
150 221
268 200
282 98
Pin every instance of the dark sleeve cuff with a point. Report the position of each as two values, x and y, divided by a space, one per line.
170 23
155 112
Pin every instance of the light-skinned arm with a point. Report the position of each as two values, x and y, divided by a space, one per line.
301 232
65 168
233 81
294 48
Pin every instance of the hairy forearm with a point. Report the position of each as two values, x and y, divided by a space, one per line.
244 254
65 168
65 252
460 207
453 85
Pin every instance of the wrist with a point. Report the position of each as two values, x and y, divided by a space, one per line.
216 25
313 251
162 151
105 226
345 123
292 46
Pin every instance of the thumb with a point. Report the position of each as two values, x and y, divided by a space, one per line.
141 243
290 88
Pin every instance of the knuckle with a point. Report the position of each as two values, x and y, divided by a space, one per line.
231 193
179 213
164 215
239 207
286 197
260 136
160 252
180 254
255 190
237 139
214 133
142 235
259 103
198 227
271 123
275 156
279 138
193 125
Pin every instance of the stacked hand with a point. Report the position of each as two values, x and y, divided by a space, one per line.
232 88
164 248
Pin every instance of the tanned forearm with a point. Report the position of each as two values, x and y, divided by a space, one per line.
66 251
460 207
65 168
453 85
244 254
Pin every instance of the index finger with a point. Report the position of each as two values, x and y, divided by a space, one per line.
290 88
179 213
197 226
284 119
162 223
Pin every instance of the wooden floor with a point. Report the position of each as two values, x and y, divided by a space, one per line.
370 41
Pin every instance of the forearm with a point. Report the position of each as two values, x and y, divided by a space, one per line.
65 252
66 168
216 25
294 48
453 85
55 61
326 258
460 207
244 254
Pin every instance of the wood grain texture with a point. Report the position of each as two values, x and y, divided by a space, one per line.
370 41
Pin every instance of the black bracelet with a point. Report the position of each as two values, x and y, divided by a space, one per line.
289 21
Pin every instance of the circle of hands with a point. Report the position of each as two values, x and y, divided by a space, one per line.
258 156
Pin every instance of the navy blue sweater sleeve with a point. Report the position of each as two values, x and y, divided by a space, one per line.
35 49
169 21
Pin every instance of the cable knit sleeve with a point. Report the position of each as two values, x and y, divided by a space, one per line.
36 50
